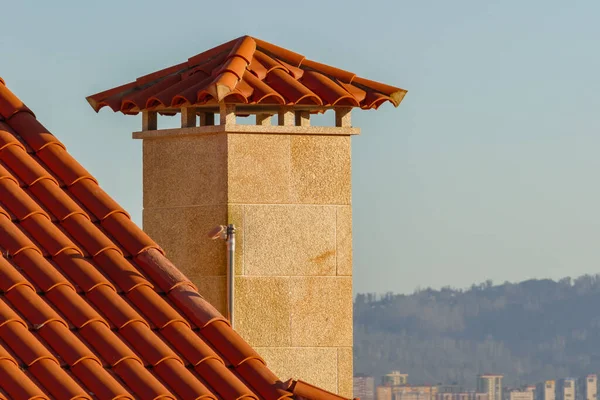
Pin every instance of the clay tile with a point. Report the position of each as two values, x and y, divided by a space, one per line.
8 137
262 93
63 164
223 84
154 307
263 380
48 235
32 307
194 306
15 383
99 381
332 72
235 65
96 100
294 71
18 202
259 70
88 235
396 94
147 343
139 98
244 48
10 277
356 92
77 311
70 348
291 89
327 89
189 344
95 199
40 271
128 234
80 270
10 104
108 345
165 97
311 392
114 307
141 381
190 95
183 382
48 373
13 240
26 168
229 343
55 199
32 131
287 55
268 63
161 270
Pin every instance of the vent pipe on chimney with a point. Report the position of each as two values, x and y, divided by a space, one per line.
227 233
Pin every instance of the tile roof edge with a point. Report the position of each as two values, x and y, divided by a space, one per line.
10 104
308 391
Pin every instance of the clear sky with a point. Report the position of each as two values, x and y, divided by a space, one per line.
488 170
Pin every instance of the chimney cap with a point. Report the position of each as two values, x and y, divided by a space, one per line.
251 72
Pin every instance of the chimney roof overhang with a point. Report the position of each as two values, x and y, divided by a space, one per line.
252 74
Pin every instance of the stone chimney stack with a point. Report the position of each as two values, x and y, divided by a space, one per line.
284 184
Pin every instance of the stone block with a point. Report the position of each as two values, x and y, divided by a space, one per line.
345 372
320 169
262 310
183 233
259 168
185 171
321 311
344 240
315 365
289 240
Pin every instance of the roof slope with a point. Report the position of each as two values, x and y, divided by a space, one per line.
89 305
247 71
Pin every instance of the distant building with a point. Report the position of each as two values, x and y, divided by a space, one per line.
407 392
451 388
383 393
565 389
525 394
364 387
587 388
546 390
394 378
470 395
490 384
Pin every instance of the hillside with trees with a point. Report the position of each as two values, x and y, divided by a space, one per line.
529 331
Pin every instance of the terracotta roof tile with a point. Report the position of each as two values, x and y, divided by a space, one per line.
247 71
89 305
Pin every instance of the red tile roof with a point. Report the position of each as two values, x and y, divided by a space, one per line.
89 305
247 71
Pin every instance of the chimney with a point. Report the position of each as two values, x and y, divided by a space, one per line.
284 183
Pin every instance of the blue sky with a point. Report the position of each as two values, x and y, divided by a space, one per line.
488 170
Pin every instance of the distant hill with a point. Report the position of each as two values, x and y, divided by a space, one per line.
529 331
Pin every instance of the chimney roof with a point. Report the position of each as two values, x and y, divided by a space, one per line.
247 71
89 305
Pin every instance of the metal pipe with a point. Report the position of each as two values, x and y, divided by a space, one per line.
230 272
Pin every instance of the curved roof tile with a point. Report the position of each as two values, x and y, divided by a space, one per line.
89 305
247 71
